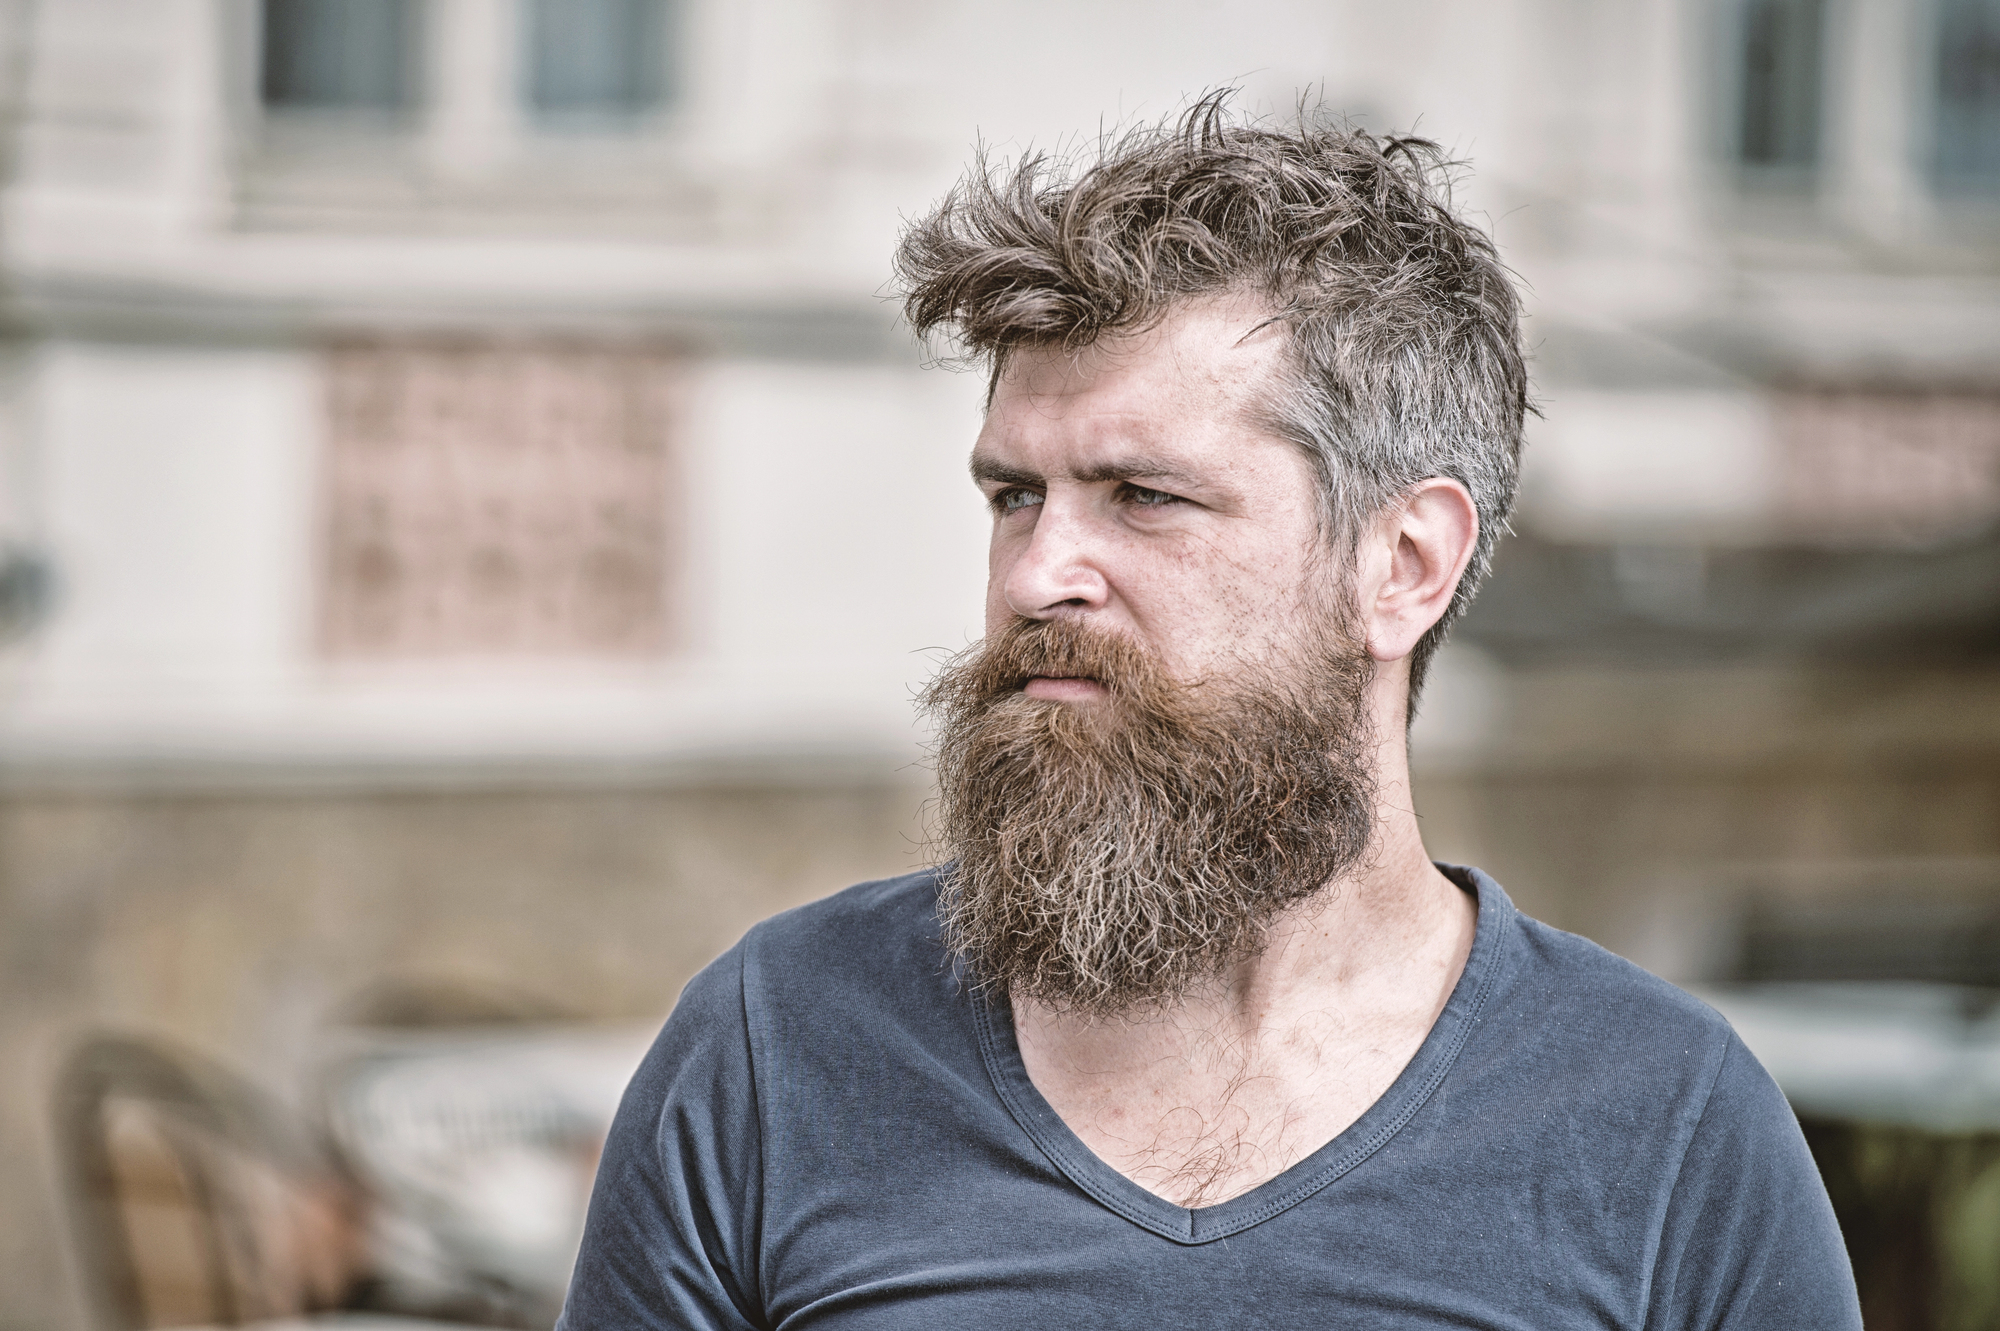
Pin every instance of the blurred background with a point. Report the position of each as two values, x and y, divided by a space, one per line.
471 524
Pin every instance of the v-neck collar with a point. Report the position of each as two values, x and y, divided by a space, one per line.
1366 1135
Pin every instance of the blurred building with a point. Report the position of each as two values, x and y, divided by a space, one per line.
469 511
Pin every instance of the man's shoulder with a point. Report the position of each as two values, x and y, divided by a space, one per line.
865 934
1539 966
1581 971
874 910
1588 1010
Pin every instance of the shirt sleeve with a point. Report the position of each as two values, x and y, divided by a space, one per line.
1750 1240
671 1238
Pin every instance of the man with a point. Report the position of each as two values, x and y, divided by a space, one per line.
1189 1031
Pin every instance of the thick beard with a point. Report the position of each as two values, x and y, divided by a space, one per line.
1109 857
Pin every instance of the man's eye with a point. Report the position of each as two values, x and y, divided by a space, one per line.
1009 500
1144 498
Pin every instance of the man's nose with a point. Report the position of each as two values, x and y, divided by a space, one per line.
1060 569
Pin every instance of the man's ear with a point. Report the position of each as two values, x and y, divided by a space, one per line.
1414 553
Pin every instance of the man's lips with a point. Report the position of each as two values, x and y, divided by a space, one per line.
1063 688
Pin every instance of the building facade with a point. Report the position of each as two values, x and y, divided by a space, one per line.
469 508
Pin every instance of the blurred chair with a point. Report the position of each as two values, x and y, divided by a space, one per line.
191 1200
472 1120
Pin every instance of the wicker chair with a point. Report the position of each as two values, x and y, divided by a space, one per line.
191 1199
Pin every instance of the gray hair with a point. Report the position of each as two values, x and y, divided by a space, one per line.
1405 352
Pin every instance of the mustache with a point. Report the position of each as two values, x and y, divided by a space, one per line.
1059 648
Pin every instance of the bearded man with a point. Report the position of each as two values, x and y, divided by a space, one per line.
1188 1030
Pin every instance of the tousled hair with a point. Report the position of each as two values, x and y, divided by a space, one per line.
1405 358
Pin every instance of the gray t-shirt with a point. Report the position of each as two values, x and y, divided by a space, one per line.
833 1131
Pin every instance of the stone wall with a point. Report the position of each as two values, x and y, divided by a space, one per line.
1635 806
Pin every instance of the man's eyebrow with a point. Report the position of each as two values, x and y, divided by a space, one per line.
1124 469
987 470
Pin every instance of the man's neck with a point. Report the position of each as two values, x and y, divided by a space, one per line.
1228 1087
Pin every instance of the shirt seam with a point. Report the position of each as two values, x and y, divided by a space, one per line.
1659 1235
1021 1113
757 1120
1192 1232
1388 1131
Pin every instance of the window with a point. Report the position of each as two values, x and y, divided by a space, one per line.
1778 109
595 58
1968 94
496 499
1881 466
356 55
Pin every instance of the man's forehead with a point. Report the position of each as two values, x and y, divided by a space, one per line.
1199 349
1106 436
1173 390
